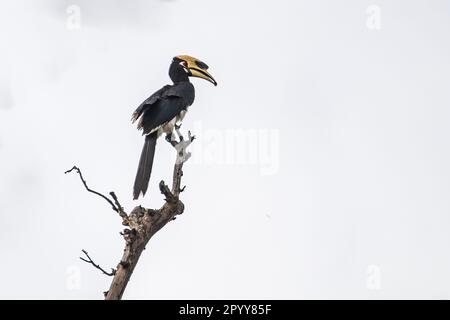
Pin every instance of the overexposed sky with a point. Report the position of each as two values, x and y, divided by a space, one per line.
321 164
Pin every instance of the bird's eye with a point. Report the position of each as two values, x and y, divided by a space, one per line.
201 65
183 64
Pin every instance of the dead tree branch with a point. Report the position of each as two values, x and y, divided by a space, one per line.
143 223
90 261
115 205
90 190
120 209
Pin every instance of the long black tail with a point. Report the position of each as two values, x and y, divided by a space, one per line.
145 166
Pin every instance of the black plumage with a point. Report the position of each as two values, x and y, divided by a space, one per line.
145 165
164 105
162 110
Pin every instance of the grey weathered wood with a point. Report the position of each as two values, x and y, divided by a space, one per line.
141 224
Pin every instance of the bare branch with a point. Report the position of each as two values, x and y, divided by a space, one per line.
90 190
181 146
182 156
120 209
143 223
90 261
116 206
170 197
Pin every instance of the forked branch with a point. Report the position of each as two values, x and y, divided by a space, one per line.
142 223
90 261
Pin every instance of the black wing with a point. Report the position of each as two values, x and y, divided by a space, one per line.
161 112
162 106
148 102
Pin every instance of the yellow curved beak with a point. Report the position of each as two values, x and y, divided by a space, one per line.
197 68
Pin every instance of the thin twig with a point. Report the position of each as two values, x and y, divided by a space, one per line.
121 211
92 191
90 261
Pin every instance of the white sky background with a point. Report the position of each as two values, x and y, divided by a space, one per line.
346 197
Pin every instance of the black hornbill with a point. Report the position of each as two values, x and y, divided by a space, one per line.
163 110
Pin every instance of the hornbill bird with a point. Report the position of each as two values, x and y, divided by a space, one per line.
165 109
